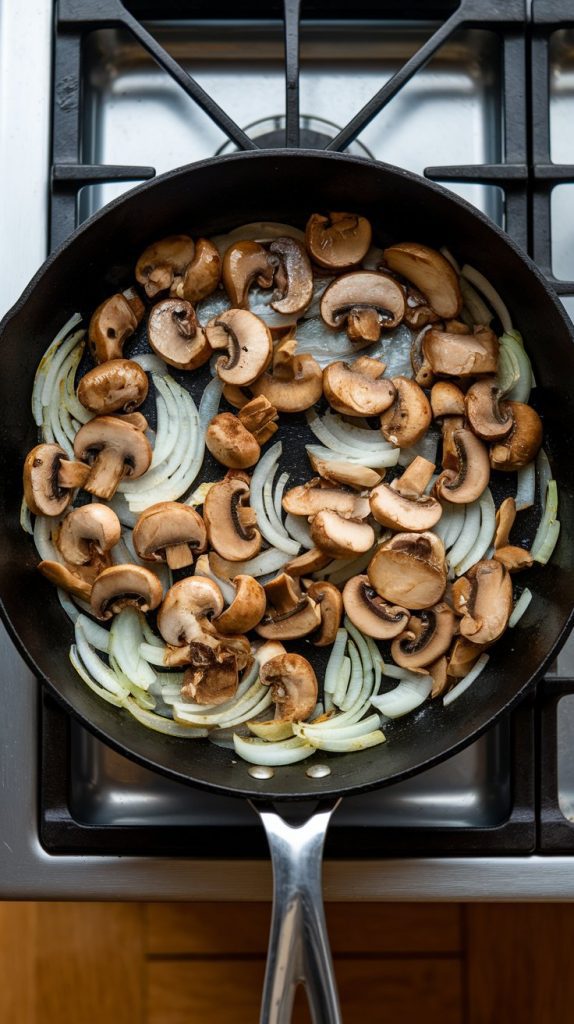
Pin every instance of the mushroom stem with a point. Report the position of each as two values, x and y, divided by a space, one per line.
178 556
106 473
72 474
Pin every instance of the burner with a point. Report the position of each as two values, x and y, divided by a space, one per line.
316 133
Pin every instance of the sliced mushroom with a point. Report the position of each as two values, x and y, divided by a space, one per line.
340 536
244 264
258 417
314 496
460 593
187 610
422 369
394 509
114 449
247 608
170 532
163 261
50 479
513 558
175 335
68 578
462 657
293 686
505 516
290 614
430 272
230 443
135 419
330 603
522 444
296 380
409 416
461 355
490 417
353 294
427 637
468 481
338 241
230 520
247 341
446 400
293 276
450 426
201 276
354 392
112 323
114 386
490 602
440 680
370 613
86 531
415 478
418 313
309 562
211 677
123 586
409 570
346 473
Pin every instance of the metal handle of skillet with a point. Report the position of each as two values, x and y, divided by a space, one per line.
299 951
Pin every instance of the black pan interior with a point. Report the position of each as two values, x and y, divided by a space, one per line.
216 196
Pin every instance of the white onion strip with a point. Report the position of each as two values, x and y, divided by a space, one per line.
370 459
525 486
548 529
406 697
467 681
468 535
298 528
265 562
335 661
485 534
263 469
257 751
520 607
45 366
490 294
356 437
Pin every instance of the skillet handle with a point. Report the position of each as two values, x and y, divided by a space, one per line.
298 943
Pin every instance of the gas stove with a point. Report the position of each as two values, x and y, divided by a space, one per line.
476 97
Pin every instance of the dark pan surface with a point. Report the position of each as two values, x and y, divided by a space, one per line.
216 196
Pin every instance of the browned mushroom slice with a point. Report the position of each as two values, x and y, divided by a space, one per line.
490 417
422 370
461 355
340 536
440 680
290 614
50 479
427 637
450 426
296 380
230 520
293 686
430 272
187 610
113 322
468 481
86 531
338 241
399 512
170 532
201 276
446 400
462 657
68 578
352 391
490 602
522 444
114 386
505 516
247 608
247 341
513 558
257 415
309 562
330 603
409 416
355 293
418 313
230 443
114 449
415 478
314 496
369 612
162 261
123 586
409 570
211 678
244 264
293 277
460 593
175 335
346 473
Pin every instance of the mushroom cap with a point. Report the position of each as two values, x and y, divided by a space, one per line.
293 686
369 612
244 263
111 324
169 524
113 386
490 602
354 393
427 637
338 536
328 598
290 614
409 416
338 241
231 443
430 272
162 261
398 512
293 276
247 608
201 276
296 381
522 443
312 497
446 400
489 417
44 493
114 448
409 570
230 520
248 342
362 290
85 529
121 586
418 313
470 479
348 474
187 609
175 335
461 355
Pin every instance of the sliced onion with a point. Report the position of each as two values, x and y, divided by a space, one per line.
261 565
152 654
68 605
257 231
479 311
26 518
160 724
298 528
96 635
408 695
466 681
371 459
257 751
546 532
126 637
335 661
450 258
456 516
342 570
548 543
377 663
490 294
468 535
96 667
347 746
525 486
227 588
426 448
520 390
344 679
120 506
313 733
392 671
353 435
43 526
520 607
50 363
118 700
151 363
263 469
356 681
269 506
278 497
210 401
485 534
544 473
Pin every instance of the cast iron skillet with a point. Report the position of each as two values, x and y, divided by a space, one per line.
204 199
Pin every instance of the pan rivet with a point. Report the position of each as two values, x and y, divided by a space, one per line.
318 771
261 771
